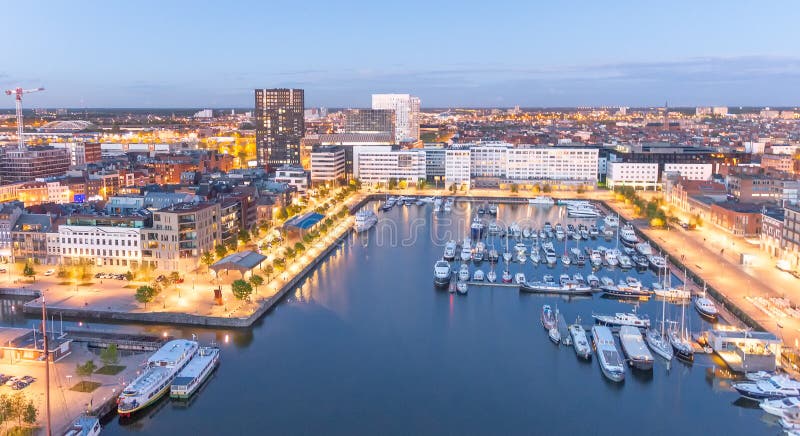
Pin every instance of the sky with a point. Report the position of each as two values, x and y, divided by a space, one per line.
450 53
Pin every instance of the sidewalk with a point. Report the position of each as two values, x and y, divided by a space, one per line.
703 254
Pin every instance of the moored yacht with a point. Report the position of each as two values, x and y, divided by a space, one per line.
779 386
519 278
450 250
620 319
579 341
635 349
607 354
478 275
611 221
156 378
541 201
463 273
491 276
781 406
706 307
441 273
627 235
547 317
365 219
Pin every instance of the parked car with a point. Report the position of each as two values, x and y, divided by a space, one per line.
11 381
2 270
19 385
49 272
28 379
4 379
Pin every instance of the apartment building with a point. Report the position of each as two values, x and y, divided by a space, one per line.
771 236
29 238
435 156
37 162
488 159
780 162
791 236
9 214
180 234
294 176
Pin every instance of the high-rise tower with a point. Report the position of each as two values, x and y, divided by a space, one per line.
279 126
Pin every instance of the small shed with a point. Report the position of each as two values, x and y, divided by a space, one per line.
298 226
242 261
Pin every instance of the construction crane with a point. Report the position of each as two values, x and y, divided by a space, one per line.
17 92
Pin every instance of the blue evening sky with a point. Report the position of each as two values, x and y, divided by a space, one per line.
450 53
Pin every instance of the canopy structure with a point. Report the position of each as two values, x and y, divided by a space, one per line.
242 261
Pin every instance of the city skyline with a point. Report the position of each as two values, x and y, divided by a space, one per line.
449 56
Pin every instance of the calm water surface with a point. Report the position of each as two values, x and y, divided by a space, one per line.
368 346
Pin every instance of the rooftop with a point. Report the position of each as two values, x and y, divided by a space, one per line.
305 221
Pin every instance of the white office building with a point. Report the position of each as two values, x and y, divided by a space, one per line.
570 165
691 171
636 174
406 110
327 164
375 164
488 159
457 168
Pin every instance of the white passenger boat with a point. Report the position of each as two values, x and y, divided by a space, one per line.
758 375
671 293
554 335
541 201
657 262
84 425
156 378
579 341
607 354
611 258
462 288
478 275
635 349
519 278
365 219
547 318
441 273
195 373
466 253
491 276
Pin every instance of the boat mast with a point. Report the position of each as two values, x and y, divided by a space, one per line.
48 430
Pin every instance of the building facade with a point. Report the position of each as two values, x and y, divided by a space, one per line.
771 237
103 242
636 174
180 235
406 110
279 126
373 166
327 164
791 236
690 171
370 121
563 165
33 163
457 168
294 176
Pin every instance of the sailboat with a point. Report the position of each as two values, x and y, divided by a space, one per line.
491 276
658 341
679 341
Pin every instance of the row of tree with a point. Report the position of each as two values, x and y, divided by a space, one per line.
652 209
17 408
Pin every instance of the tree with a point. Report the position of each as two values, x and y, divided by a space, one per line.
241 289
453 188
581 189
264 225
16 407
283 213
129 276
392 184
279 263
256 281
145 294
28 270
221 251
308 237
547 188
86 370
537 189
207 259
232 245
299 247
289 253
514 188
30 413
421 183
269 270
244 236
403 184
5 409
109 356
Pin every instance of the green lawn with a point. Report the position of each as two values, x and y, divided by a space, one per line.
110 370
85 386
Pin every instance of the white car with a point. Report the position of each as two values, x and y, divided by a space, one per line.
49 272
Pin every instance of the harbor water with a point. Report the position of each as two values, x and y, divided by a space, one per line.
368 345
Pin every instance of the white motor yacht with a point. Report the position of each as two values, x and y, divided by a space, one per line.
441 273
463 273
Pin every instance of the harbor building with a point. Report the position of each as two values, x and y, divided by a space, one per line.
746 351
406 111
279 126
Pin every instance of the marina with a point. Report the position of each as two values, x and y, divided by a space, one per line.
445 327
